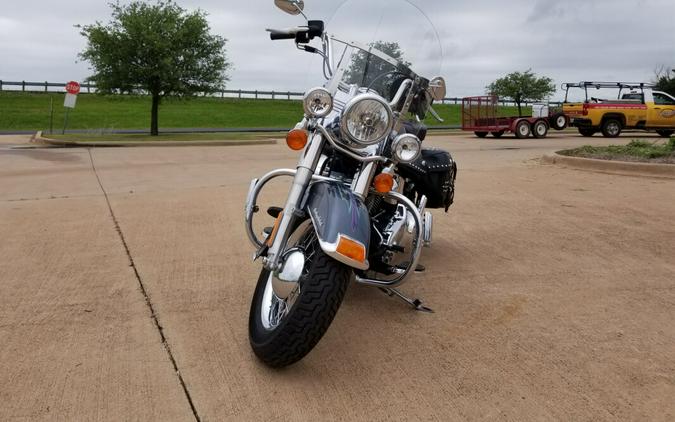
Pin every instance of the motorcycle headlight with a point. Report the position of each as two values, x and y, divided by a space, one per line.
406 148
366 119
317 102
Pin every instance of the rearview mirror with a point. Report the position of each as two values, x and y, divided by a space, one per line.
292 7
437 88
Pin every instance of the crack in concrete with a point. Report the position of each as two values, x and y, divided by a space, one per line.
47 198
148 302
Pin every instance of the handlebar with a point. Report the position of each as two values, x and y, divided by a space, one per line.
302 34
285 34
280 36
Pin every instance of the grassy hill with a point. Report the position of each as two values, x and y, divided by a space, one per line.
30 111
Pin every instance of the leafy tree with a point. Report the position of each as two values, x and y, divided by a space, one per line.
157 48
367 70
522 86
664 81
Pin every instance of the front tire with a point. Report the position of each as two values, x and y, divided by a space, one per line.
321 290
481 134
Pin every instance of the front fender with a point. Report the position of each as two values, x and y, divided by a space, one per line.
340 219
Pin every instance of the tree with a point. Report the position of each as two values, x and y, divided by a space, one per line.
159 48
522 86
367 70
664 81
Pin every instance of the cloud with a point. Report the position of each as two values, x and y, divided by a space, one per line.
568 40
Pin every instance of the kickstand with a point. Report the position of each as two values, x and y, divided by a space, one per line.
415 303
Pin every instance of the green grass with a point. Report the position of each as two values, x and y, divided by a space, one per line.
30 111
21 111
635 150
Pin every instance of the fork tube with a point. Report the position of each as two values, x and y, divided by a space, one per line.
306 167
363 179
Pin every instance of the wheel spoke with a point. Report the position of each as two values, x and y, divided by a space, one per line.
275 309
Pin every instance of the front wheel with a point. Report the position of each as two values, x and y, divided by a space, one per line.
481 134
283 331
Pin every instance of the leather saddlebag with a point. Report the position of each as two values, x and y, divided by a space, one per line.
433 175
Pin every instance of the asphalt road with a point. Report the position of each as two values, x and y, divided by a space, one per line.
553 290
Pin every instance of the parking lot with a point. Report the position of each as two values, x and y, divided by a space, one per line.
553 290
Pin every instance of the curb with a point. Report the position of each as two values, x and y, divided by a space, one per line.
609 166
39 139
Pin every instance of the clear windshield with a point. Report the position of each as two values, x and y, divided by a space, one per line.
377 44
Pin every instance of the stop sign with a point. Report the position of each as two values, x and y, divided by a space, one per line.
73 87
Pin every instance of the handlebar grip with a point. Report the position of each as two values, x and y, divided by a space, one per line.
278 36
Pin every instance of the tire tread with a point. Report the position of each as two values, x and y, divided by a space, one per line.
321 294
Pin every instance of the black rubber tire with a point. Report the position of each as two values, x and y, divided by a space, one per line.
321 294
520 132
497 134
481 134
539 129
558 121
609 130
587 132
664 133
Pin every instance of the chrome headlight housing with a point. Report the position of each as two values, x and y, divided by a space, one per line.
366 120
317 102
406 148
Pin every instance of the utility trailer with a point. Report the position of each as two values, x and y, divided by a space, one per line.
479 115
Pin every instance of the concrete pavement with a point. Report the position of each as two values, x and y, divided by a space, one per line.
553 290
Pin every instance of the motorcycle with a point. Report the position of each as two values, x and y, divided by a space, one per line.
358 204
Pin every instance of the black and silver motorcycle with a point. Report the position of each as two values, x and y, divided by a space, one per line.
357 206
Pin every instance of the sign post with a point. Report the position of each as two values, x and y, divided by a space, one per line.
72 89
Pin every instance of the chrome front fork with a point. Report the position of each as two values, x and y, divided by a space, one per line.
303 176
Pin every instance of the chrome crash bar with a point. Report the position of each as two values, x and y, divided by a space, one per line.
419 241
252 198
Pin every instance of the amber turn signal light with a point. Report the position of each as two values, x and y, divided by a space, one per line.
296 139
351 249
384 182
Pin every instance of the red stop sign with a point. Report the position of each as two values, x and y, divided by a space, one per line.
73 87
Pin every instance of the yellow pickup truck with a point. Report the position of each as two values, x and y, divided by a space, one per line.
637 106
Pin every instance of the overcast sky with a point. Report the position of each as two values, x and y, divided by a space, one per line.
571 40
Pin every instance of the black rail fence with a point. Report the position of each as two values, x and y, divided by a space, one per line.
25 86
